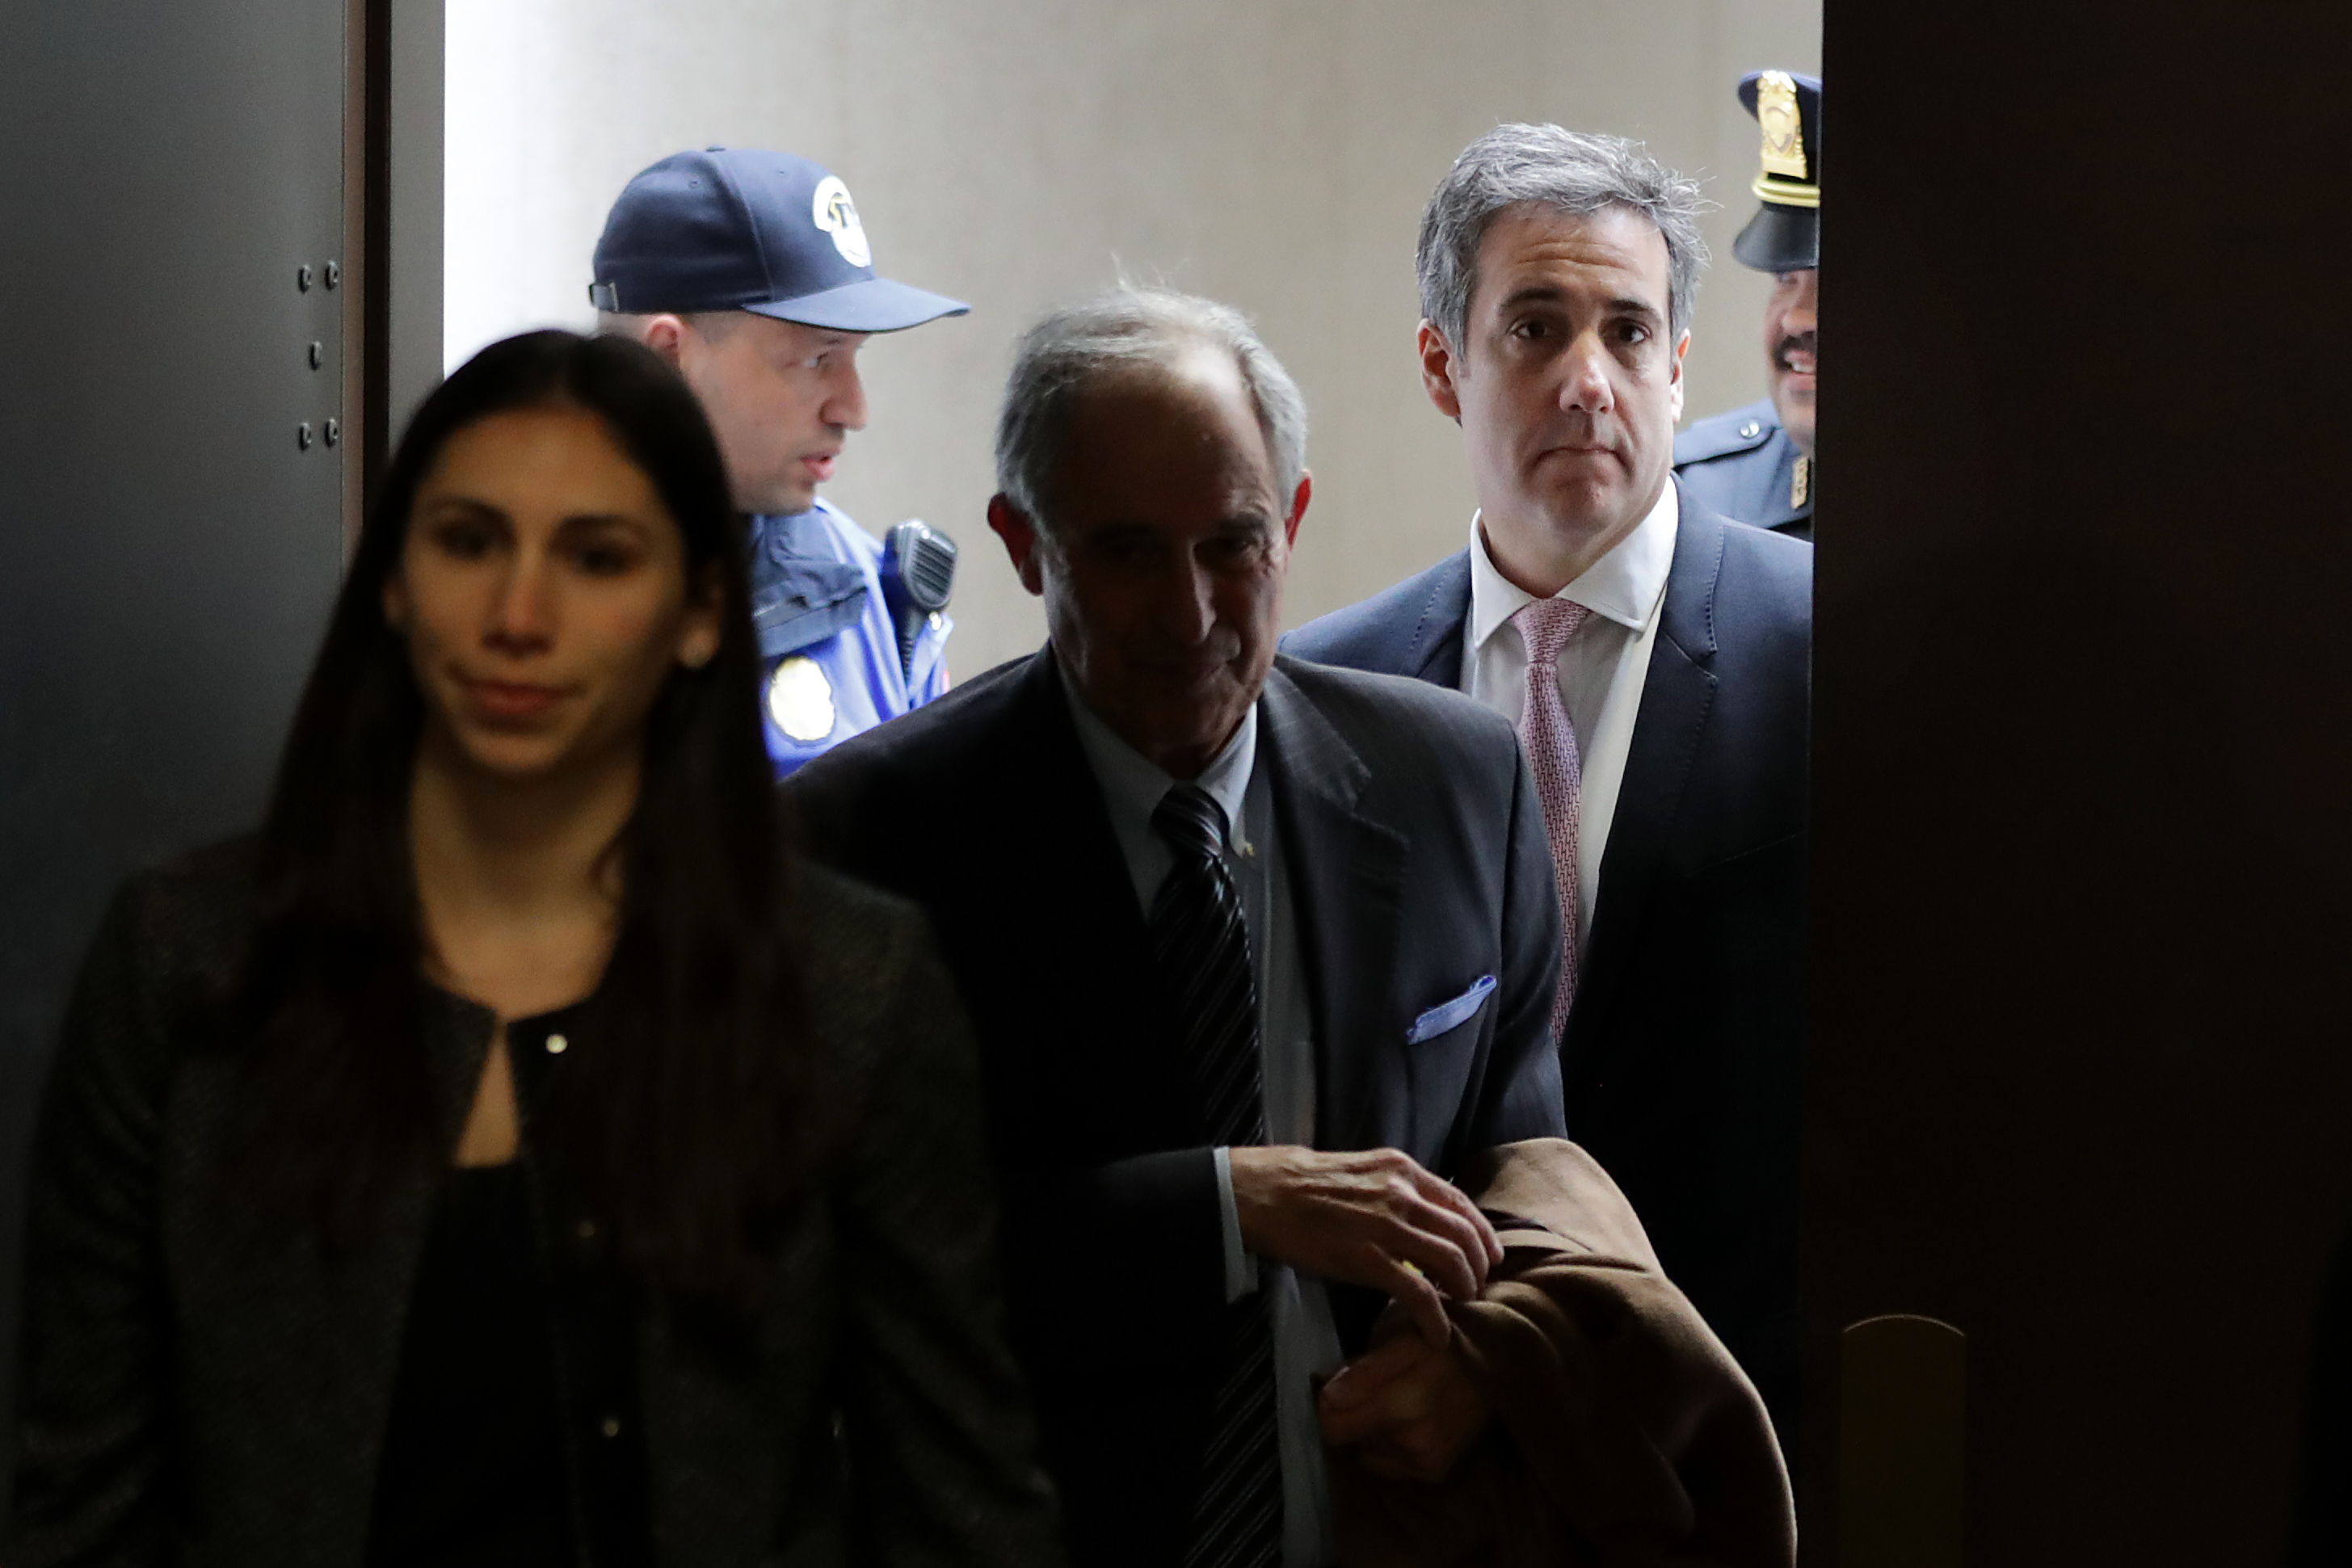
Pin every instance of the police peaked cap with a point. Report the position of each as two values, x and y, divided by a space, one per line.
1785 235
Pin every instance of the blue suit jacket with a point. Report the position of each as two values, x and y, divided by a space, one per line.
1683 1057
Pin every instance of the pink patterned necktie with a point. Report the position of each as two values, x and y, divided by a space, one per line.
1545 626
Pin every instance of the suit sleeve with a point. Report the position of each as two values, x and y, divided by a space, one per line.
94 1421
936 1414
1522 1096
1148 1226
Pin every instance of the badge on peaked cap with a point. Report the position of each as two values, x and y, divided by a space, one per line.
1785 233
1783 125
836 214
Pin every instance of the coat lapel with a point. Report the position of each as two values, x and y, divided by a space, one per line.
1059 886
1435 651
1048 795
1347 878
1677 694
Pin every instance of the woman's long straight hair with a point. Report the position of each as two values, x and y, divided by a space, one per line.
684 1115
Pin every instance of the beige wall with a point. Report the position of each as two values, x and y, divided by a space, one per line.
1016 152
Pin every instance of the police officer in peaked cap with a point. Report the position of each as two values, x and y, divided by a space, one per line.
751 272
1756 464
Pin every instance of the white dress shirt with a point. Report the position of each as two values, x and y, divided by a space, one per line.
1602 670
1306 1342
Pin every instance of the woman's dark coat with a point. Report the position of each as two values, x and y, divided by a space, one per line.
199 1390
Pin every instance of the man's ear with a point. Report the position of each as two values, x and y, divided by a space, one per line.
1021 542
1682 346
666 335
1438 372
1298 500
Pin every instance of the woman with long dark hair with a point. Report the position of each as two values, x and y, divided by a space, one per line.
513 1154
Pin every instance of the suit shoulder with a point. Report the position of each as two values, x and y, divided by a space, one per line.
1759 608
169 947
218 872
1389 711
861 952
193 911
940 735
857 936
864 806
1742 430
1770 556
1375 632
829 901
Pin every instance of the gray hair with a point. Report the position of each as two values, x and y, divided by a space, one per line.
1573 171
1133 326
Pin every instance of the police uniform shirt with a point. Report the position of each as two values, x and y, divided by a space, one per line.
1743 465
828 649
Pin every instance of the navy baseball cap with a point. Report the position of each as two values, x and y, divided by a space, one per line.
730 228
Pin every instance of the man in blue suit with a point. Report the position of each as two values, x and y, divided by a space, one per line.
1756 464
1654 657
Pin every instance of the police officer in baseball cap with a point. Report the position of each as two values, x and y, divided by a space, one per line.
1756 464
751 273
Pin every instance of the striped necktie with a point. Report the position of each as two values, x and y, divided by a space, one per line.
1201 951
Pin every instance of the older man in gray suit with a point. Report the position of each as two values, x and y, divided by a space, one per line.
1260 954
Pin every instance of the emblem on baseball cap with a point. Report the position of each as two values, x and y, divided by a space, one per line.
733 228
836 214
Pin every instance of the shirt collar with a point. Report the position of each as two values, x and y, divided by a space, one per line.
805 534
1627 585
1132 784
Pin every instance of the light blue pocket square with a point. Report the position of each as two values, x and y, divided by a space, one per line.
1451 1015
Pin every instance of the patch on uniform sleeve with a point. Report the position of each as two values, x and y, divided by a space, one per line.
800 699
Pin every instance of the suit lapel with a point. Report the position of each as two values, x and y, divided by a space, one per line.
1047 793
1070 936
1435 653
1677 694
1346 873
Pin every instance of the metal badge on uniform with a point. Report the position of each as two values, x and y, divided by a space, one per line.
836 214
1776 112
800 699
1801 481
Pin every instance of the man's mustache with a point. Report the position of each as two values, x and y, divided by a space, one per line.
1795 343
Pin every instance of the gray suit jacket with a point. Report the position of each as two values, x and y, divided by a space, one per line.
1422 876
197 1391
